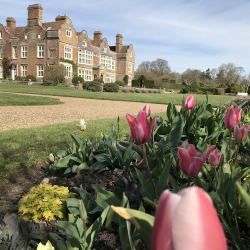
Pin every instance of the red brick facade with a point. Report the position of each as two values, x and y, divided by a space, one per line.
34 47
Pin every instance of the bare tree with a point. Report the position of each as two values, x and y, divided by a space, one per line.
160 67
144 66
191 75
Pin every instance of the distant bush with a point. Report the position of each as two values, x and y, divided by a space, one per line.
120 83
125 90
144 90
19 78
54 75
220 91
125 79
77 79
137 91
111 87
98 80
31 77
92 86
185 90
150 91
132 91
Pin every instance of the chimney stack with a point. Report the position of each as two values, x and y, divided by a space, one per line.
118 44
35 15
11 22
97 37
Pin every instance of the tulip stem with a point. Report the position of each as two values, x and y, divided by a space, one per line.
85 232
189 181
230 144
146 162
186 114
236 154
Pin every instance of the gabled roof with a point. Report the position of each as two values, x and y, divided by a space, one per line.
124 48
14 31
54 25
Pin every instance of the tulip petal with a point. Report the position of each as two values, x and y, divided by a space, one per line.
138 133
146 109
210 149
184 160
195 166
230 119
161 233
131 123
195 224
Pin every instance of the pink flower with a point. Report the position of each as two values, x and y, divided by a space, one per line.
214 158
240 134
140 127
191 161
189 103
232 117
187 220
146 109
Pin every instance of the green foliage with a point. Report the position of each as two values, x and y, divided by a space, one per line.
6 67
31 77
92 86
74 65
19 234
125 79
44 203
77 79
110 87
120 83
98 80
220 91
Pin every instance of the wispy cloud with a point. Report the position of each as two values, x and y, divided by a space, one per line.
188 33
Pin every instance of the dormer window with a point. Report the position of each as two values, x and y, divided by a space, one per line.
105 50
25 36
68 33
39 36
84 44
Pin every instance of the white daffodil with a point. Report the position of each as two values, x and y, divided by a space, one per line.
82 125
51 158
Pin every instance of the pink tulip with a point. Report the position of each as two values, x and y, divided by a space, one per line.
214 158
146 109
189 103
240 134
140 127
232 117
187 221
191 161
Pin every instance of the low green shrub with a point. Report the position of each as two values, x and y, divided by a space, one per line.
185 90
98 80
77 79
31 77
220 91
92 86
132 91
44 203
137 91
120 83
110 87
144 90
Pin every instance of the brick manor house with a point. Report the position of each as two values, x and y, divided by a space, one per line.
34 47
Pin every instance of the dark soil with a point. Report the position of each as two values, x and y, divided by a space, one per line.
14 187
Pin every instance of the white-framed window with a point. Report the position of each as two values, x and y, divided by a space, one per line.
109 78
14 52
113 65
39 36
40 51
130 54
24 51
106 61
129 80
84 43
40 70
105 50
1 35
68 70
85 57
130 67
68 53
85 74
68 33
1 71
25 36
24 69
1 52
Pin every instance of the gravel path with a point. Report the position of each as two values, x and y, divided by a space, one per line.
13 117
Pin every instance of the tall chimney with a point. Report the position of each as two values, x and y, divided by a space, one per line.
97 37
11 22
35 15
118 44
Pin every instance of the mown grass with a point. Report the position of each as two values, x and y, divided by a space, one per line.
7 99
23 148
215 100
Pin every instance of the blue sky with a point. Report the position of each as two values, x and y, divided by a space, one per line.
194 34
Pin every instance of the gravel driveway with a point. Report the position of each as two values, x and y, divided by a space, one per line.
13 117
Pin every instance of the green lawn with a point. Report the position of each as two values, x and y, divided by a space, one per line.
215 100
7 99
21 148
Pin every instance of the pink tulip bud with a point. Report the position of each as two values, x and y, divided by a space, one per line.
146 109
189 103
214 158
187 220
240 134
191 161
140 127
232 117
